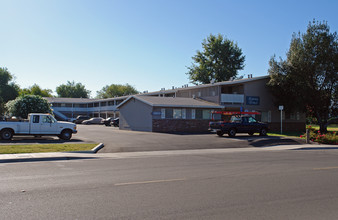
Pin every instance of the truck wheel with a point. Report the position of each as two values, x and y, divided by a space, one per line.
263 132
220 133
66 135
6 134
232 132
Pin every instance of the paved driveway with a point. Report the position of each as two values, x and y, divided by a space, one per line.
116 140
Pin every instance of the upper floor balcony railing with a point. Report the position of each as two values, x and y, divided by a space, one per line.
232 98
89 109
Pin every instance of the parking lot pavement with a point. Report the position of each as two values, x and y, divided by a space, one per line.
116 140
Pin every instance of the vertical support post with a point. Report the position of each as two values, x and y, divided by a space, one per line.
281 122
307 136
281 107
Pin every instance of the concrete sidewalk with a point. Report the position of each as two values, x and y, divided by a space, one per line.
35 157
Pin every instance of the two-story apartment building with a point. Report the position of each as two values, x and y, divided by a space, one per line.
248 94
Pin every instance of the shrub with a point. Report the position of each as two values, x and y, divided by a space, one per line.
327 138
23 105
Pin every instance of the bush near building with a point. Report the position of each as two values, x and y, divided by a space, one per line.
324 138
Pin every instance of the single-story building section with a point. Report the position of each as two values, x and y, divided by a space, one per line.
166 114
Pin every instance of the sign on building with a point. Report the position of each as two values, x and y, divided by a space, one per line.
252 100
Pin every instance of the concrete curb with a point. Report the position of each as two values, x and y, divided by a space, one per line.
92 151
12 158
97 148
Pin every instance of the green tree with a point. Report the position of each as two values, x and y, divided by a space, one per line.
116 90
23 105
72 90
220 60
8 89
307 80
36 90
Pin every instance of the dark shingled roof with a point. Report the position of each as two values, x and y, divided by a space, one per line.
157 101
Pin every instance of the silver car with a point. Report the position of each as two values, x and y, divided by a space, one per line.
96 120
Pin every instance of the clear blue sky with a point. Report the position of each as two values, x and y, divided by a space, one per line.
146 43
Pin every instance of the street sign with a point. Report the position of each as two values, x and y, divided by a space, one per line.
281 107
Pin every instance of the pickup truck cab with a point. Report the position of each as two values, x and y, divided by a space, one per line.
37 124
236 123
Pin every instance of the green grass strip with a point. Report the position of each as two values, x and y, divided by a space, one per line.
329 128
43 148
286 134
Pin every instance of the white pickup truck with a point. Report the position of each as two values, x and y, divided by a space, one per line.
37 124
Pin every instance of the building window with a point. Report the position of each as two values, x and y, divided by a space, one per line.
193 113
162 113
168 113
184 113
297 116
199 114
177 113
264 117
206 114
119 102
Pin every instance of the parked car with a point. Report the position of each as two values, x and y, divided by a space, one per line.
116 122
107 121
79 119
237 123
97 120
37 124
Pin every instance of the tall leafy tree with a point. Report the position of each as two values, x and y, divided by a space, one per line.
113 90
72 90
219 60
307 80
8 89
25 104
36 90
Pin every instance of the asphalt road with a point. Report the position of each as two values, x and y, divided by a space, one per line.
246 185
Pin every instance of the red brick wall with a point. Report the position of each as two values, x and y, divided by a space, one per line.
180 125
194 125
287 126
